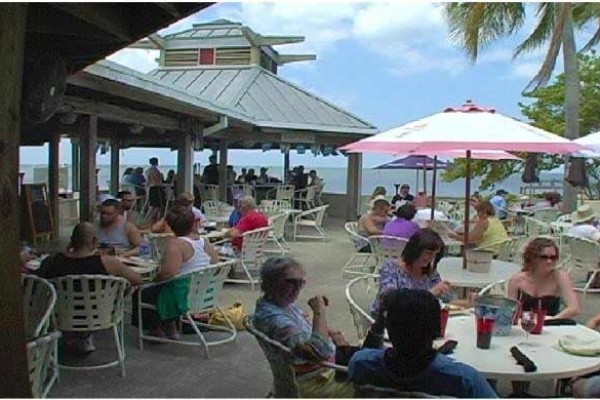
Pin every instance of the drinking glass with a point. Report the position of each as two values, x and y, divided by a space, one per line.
528 322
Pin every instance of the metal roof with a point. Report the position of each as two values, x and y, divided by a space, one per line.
218 28
268 99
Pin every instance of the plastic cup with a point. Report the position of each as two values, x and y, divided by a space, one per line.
539 321
485 327
444 313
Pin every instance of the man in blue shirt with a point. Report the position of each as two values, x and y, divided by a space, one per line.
499 203
413 322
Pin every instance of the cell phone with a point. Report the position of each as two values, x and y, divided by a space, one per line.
448 347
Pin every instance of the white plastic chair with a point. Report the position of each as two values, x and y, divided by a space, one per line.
209 192
246 189
39 357
251 256
312 218
535 227
496 288
39 299
277 235
274 207
282 192
213 209
384 247
361 292
358 242
549 214
280 360
309 200
89 303
585 255
512 250
204 288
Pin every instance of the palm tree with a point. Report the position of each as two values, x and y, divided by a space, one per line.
476 25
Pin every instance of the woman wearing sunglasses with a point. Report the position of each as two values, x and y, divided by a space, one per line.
540 284
311 339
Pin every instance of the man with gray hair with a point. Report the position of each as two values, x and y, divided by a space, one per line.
251 219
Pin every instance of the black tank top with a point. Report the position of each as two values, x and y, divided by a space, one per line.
549 303
61 265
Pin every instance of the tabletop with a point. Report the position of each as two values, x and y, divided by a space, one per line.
146 268
497 362
451 269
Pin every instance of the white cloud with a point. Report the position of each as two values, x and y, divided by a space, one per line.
138 59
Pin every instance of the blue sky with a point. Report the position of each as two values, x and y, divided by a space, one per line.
386 62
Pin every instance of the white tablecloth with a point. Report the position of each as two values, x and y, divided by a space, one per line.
497 362
451 269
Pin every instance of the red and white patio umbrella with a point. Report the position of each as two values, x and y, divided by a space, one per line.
467 128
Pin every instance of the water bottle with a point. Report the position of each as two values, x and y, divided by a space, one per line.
145 250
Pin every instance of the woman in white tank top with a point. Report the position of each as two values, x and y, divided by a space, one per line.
183 254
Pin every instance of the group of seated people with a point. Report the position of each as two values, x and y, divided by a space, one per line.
407 305
485 231
412 320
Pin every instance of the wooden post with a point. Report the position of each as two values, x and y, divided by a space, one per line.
353 186
115 174
286 166
74 166
14 372
53 181
87 177
223 170
185 158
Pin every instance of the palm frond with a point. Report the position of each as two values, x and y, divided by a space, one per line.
547 13
545 71
475 25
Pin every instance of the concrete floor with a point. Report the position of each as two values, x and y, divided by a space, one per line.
236 370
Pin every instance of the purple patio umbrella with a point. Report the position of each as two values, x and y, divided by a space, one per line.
416 162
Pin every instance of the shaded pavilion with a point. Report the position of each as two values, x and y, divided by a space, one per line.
109 103
64 37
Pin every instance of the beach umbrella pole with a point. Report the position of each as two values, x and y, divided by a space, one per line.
467 208
433 187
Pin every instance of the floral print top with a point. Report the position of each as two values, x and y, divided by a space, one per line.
391 276
288 326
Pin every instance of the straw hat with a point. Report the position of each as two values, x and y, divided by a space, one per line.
378 198
584 213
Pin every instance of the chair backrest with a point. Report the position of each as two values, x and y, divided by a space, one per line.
384 247
317 212
205 285
280 360
89 302
285 192
209 192
376 392
273 207
546 214
278 224
361 292
253 244
564 218
39 298
535 227
496 288
357 240
212 208
39 357
159 243
585 254
245 189
512 249
311 192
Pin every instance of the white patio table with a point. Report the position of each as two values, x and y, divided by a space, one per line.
497 362
451 269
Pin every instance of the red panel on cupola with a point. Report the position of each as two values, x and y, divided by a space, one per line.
206 56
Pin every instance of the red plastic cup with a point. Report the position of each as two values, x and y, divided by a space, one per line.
539 321
485 327
444 313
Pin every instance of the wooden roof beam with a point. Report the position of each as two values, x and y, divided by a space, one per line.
120 114
99 15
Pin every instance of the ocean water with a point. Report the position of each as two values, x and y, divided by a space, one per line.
334 178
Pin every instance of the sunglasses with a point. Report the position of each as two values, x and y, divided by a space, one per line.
297 282
546 257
